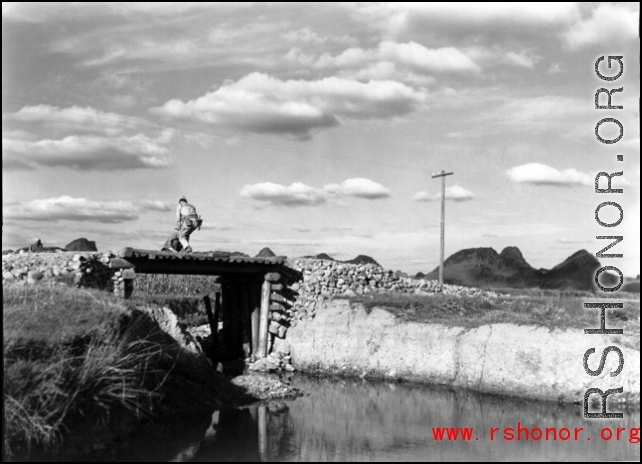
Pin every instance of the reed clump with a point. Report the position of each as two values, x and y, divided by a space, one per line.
69 359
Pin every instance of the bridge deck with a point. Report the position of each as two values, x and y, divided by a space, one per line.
250 289
201 263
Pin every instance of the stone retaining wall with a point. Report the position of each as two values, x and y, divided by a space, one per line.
504 359
323 279
82 269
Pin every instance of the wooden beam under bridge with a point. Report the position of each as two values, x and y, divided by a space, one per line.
249 289
161 262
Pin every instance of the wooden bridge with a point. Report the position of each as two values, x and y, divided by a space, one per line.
254 300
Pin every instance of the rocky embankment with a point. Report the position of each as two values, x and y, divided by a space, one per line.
191 364
87 269
505 359
324 279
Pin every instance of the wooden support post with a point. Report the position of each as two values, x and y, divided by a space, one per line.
216 345
255 306
262 425
128 283
213 320
117 263
244 308
264 319
235 318
226 317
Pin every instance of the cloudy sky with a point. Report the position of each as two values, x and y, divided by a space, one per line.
316 128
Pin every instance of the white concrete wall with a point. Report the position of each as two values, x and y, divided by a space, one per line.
523 361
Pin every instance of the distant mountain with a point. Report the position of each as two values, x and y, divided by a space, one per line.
265 253
227 254
484 267
36 247
632 286
325 256
577 271
81 244
420 275
515 257
362 259
239 253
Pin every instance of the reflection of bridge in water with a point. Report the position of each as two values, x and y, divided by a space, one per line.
355 421
254 300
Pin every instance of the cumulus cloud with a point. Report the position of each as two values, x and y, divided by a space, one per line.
299 194
307 35
523 60
541 174
607 23
360 188
76 119
82 138
386 70
264 104
411 54
154 205
478 13
395 18
43 11
455 193
73 209
86 152
417 56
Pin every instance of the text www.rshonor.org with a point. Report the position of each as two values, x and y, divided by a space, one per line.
519 433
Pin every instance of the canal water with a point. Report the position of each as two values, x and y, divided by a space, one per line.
358 420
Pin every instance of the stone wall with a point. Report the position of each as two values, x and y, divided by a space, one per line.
84 269
323 279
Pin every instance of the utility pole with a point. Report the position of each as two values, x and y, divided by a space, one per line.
443 175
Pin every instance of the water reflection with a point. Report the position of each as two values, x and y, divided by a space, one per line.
362 421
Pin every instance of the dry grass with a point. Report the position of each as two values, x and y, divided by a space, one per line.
163 284
66 359
183 294
554 311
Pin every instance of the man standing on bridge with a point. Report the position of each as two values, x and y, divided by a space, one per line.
187 221
172 243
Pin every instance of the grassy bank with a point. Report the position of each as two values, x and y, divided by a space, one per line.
164 284
83 367
71 356
555 310
183 294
